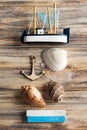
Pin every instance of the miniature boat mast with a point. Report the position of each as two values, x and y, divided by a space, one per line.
34 19
49 20
55 19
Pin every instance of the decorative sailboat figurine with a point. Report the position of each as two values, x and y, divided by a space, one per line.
41 35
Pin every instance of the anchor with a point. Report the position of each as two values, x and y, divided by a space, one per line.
33 76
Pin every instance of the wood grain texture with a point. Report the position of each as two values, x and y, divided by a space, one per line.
14 18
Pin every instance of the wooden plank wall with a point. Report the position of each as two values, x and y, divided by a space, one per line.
14 57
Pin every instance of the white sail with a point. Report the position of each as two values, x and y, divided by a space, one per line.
43 16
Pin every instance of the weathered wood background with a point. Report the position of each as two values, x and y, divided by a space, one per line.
14 57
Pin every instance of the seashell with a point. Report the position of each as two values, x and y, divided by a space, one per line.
55 59
32 94
55 91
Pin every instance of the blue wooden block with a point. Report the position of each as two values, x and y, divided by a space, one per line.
48 119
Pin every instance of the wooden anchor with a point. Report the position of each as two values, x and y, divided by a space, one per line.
33 76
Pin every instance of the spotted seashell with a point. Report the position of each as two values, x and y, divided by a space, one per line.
32 94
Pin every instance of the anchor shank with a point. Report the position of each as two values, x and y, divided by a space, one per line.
33 71
33 62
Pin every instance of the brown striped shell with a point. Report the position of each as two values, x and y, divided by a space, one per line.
55 91
32 94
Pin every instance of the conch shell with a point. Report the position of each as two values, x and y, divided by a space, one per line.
55 91
32 94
